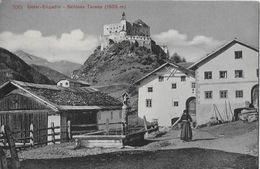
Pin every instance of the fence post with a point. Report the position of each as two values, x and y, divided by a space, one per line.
52 133
69 130
3 161
3 132
125 118
3 164
15 163
107 126
145 127
31 135
123 128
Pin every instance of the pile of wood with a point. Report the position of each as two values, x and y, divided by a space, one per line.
249 115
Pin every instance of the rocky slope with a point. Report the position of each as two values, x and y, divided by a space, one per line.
121 63
64 67
12 67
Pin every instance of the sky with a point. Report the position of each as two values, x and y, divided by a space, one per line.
190 28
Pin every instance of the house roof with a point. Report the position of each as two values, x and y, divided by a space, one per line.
219 51
185 64
168 62
60 98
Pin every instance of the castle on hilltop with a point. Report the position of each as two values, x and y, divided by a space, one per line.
137 31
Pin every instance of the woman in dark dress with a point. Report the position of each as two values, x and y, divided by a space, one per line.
186 132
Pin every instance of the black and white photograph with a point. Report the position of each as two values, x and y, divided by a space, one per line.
102 84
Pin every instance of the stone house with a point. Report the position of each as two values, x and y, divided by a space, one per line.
225 79
164 93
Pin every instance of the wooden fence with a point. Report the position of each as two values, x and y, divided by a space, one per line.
25 142
8 141
108 129
54 136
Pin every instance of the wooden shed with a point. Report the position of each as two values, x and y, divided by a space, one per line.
24 103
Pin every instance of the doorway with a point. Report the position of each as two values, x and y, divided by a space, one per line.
255 96
191 108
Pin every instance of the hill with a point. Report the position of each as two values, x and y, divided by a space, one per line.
50 73
121 63
64 67
12 67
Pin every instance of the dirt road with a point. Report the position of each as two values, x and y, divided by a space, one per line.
192 158
246 143
227 146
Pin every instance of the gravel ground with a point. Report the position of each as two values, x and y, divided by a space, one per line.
227 146
236 137
192 158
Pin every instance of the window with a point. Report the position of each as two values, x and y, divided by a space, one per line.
161 78
223 93
208 94
257 72
238 73
207 75
193 85
111 115
175 103
150 89
222 74
239 93
174 86
183 78
238 54
148 102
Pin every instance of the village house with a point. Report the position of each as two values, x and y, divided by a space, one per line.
24 103
72 83
138 31
164 93
225 79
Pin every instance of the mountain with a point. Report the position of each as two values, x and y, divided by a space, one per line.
114 69
64 67
12 67
123 63
50 73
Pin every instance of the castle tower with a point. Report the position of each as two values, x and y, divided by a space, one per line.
123 21
123 16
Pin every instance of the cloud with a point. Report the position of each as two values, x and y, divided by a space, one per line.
192 49
74 46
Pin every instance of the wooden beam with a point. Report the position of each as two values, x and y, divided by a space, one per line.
15 163
26 111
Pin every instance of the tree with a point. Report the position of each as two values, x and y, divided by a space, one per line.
111 42
177 58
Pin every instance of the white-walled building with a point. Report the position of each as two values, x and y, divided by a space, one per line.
225 79
164 93
72 83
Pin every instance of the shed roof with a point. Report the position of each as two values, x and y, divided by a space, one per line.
67 98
